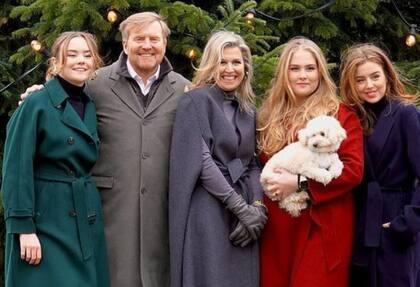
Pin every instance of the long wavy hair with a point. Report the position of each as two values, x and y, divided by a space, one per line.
281 116
207 72
59 50
351 60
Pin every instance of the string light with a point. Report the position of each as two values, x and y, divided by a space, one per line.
410 40
191 54
36 45
250 14
112 16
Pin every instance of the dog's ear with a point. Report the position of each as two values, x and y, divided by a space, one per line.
338 134
341 134
303 136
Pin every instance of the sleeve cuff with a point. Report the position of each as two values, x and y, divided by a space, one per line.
22 225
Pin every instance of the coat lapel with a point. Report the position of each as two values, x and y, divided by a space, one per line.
69 116
122 89
90 121
164 91
379 137
219 96
243 121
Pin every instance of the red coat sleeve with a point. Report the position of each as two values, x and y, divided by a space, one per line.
351 154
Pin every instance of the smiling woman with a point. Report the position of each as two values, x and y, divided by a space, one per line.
77 64
387 249
53 212
231 70
215 211
314 248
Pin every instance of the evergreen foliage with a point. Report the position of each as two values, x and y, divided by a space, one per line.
335 28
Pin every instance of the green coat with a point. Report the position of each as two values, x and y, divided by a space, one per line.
47 189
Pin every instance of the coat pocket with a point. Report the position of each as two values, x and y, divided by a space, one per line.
103 182
394 202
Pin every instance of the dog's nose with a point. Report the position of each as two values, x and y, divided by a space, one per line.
315 145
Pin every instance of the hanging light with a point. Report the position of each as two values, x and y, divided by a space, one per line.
250 15
112 15
410 40
36 45
191 54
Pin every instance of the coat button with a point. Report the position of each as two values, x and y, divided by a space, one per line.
70 140
72 214
143 190
71 172
145 155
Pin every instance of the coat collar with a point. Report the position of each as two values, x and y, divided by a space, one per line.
123 90
376 141
241 119
69 116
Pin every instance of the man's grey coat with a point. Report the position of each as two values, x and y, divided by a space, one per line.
132 174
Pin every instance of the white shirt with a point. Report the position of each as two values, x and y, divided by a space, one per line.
145 87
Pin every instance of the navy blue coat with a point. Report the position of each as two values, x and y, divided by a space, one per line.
391 194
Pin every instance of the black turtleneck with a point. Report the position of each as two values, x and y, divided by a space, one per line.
376 109
77 97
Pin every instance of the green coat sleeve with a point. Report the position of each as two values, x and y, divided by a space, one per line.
18 168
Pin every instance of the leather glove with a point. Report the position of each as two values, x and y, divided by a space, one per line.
240 235
252 216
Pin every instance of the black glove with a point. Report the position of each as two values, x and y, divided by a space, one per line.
253 217
240 235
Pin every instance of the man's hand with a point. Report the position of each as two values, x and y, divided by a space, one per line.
29 90
30 248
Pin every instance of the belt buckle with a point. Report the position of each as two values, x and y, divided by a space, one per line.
92 218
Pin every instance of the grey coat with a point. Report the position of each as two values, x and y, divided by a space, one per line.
132 174
200 224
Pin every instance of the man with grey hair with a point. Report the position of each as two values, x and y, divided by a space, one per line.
136 99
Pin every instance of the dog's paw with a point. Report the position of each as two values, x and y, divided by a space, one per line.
336 169
323 177
295 203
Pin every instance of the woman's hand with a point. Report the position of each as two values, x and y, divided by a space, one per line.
281 185
386 225
30 248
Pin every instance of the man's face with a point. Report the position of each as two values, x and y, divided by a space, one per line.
145 48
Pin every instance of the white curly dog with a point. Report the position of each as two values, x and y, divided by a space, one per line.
313 156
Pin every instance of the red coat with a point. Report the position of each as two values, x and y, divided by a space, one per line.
314 249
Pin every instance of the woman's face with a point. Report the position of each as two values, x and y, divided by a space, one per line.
370 82
231 69
79 64
303 74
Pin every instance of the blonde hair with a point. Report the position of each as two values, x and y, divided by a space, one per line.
358 55
207 72
280 116
141 20
59 49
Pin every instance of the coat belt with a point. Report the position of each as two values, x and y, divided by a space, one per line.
237 172
79 200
